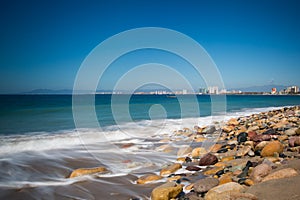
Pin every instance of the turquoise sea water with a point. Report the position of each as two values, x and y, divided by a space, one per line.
23 114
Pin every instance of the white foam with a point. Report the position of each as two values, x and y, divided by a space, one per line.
125 133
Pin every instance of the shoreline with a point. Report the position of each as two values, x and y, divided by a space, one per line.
176 164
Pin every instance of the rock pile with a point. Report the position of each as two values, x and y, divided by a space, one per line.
250 151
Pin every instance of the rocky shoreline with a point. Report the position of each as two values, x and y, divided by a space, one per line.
251 157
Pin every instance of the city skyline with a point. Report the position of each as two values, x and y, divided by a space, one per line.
44 43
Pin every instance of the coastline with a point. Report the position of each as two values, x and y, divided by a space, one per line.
183 150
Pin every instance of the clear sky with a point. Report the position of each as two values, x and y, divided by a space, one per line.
43 43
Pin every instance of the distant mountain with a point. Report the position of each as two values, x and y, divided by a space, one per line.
47 91
263 88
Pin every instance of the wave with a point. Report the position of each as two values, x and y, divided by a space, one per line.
64 139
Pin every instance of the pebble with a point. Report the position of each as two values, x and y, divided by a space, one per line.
148 178
193 168
208 159
170 169
291 132
86 171
203 185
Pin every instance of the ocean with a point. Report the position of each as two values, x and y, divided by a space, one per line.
40 143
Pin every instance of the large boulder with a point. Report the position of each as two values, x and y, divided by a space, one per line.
86 171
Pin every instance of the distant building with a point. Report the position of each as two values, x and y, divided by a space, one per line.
202 91
273 91
292 90
213 90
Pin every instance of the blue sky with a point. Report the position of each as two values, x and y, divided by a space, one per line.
43 43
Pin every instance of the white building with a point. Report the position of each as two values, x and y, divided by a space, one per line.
213 90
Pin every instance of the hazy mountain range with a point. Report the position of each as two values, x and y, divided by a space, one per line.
263 88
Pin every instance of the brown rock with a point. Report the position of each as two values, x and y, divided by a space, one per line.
197 152
148 178
86 171
283 173
226 178
184 151
213 171
215 147
170 169
203 185
243 151
233 122
193 168
271 148
261 145
166 191
260 171
228 158
208 159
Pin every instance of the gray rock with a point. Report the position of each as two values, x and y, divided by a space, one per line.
203 185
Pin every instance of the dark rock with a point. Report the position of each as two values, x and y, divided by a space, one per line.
208 159
223 150
188 159
270 132
193 168
206 184
242 137
219 173
241 180
245 170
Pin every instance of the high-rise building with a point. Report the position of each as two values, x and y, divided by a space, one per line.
213 90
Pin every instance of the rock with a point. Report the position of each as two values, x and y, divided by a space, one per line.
184 151
227 158
165 148
271 148
294 141
215 147
259 138
233 122
291 132
209 130
225 190
86 171
212 171
242 137
260 145
245 170
166 191
208 159
170 169
283 173
279 189
148 178
193 168
298 131
251 134
226 178
283 137
203 185
243 151
228 129
259 172
249 182
270 132
197 152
